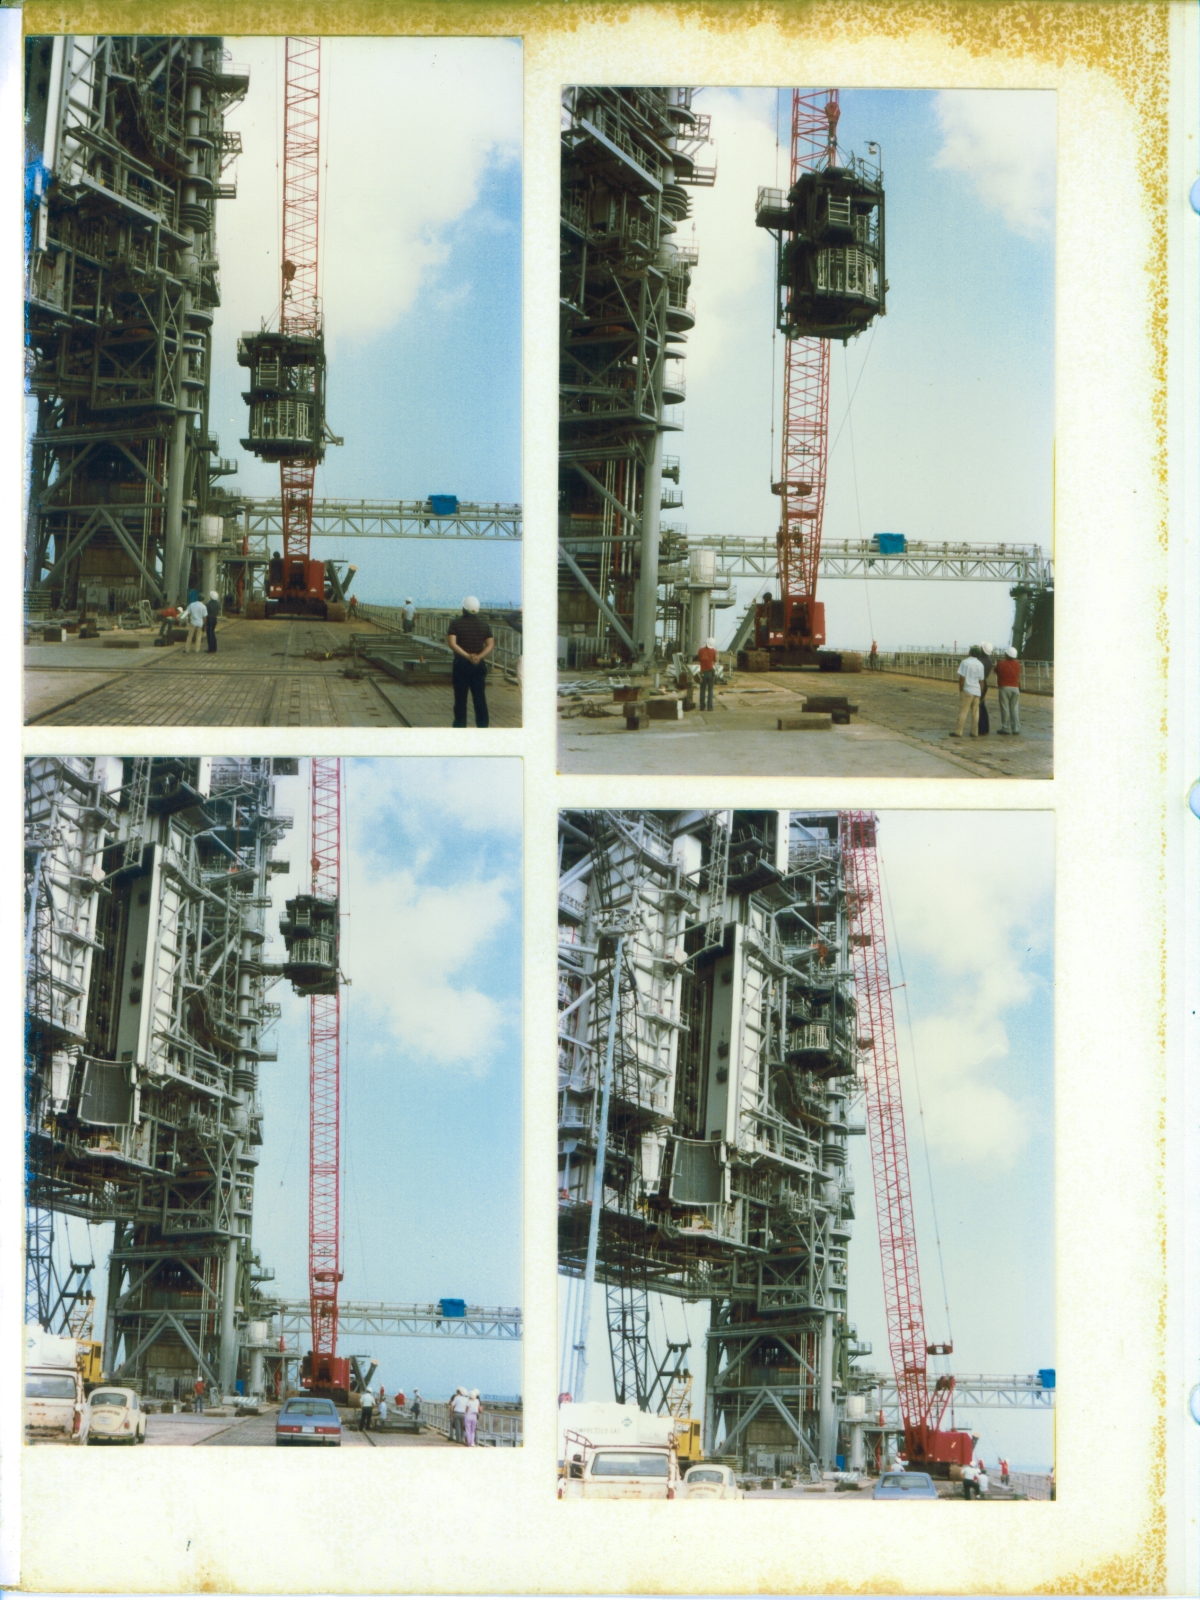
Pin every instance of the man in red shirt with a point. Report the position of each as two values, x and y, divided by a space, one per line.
707 657
1008 677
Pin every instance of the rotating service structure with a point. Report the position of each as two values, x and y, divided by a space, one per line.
146 893
705 972
126 158
629 157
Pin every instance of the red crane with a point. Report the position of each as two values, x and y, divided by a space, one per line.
922 1406
830 285
325 1089
287 365
801 486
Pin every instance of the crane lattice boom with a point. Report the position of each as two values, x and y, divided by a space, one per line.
921 1408
299 306
801 484
324 1182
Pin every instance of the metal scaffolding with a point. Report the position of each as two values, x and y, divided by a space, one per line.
721 1166
126 157
628 157
146 892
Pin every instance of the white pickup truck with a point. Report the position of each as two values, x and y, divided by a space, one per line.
56 1408
612 1452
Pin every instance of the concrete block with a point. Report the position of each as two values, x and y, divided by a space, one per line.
806 722
626 696
635 718
665 709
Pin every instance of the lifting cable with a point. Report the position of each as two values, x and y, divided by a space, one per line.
854 472
937 1232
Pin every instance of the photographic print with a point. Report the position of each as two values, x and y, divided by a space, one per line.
806 1169
257 348
249 1000
806 487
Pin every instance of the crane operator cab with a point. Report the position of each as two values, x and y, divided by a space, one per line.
310 931
830 259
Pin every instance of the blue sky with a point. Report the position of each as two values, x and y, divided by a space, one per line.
970 921
950 436
421 281
431 943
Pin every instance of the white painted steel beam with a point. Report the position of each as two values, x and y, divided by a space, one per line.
375 1319
388 519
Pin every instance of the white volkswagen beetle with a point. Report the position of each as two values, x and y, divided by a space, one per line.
117 1416
711 1482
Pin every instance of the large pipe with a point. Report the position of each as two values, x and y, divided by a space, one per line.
227 1362
589 1272
827 1440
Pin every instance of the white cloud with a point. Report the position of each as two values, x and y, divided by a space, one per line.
733 283
480 795
1005 141
411 951
972 895
410 130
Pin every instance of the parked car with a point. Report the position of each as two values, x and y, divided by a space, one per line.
306 1420
56 1408
905 1486
711 1482
117 1417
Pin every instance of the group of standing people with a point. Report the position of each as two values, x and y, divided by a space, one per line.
464 1416
371 1408
973 672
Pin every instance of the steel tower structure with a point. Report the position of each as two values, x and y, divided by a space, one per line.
126 155
146 883
628 158
721 1167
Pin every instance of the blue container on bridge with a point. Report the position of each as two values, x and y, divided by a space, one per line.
1046 1377
453 1308
443 505
889 544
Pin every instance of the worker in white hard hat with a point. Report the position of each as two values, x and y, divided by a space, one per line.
470 638
197 615
707 657
471 1419
211 612
458 1414
408 617
1008 678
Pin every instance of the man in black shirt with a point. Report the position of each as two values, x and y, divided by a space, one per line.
471 640
213 611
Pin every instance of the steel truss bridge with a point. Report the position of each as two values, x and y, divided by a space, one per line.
856 558
976 1392
386 519
376 1318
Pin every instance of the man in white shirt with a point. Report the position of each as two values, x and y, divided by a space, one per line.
458 1414
970 677
197 616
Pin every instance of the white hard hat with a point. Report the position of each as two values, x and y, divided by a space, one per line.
986 648
711 643
213 595
460 1391
408 600
474 1394
471 604
1011 652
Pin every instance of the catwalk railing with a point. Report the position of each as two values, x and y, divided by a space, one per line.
1037 677
432 625
497 1426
